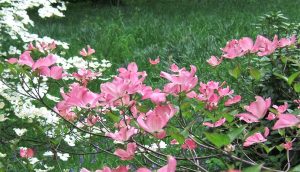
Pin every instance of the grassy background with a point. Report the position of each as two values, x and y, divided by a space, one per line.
183 31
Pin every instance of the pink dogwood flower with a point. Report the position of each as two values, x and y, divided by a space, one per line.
79 96
288 145
214 61
282 108
233 100
253 139
143 169
115 93
42 46
271 116
44 62
232 49
191 94
118 169
123 122
26 59
170 167
256 110
266 131
246 44
218 123
174 142
237 48
183 81
189 144
91 120
124 134
286 120
30 47
212 92
133 78
224 91
84 170
155 120
127 154
44 66
264 46
298 102
55 72
107 169
26 153
155 61
89 51
129 81
155 96
84 75
65 111
12 60
283 42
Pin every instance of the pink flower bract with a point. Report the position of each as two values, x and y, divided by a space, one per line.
286 120
127 154
183 81
155 61
218 123
255 138
256 110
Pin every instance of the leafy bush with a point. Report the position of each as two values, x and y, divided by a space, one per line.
275 72
135 120
53 109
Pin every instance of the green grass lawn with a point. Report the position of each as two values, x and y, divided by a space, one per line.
184 31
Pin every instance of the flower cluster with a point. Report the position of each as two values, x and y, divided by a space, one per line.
262 47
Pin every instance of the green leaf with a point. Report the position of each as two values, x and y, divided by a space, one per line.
296 112
273 110
187 114
255 74
280 148
185 133
113 117
177 136
267 149
1 68
281 76
236 72
281 132
143 108
235 133
199 106
295 169
284 59
293 77
297 87
185 106
234 112
255 168
229 117
217 139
